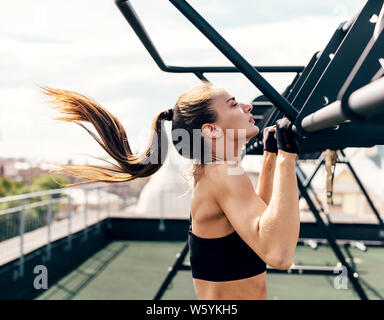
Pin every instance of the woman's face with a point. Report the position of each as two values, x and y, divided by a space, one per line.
233 115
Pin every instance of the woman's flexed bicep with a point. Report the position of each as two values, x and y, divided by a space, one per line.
241 205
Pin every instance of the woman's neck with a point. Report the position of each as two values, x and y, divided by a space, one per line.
232 161
229 152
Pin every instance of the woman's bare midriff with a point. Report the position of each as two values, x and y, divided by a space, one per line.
253 288
208 221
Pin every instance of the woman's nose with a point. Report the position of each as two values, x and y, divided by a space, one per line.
248 107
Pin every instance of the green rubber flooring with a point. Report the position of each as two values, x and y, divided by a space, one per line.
135 270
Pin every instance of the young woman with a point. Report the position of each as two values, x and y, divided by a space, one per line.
234 231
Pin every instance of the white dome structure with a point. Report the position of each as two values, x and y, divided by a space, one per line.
167 194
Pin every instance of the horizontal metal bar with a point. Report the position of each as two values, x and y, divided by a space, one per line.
341 242
29 206
294 269
364 102
307 270
51 192
368 100
228 69
324 118
262 104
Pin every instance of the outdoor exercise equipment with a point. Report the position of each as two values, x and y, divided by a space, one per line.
331 102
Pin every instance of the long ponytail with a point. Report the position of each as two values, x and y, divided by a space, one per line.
76 107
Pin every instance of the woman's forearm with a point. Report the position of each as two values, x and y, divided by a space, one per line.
265 184
280 224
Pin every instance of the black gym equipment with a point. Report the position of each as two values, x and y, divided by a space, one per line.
331 102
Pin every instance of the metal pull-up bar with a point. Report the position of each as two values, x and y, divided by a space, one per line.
224 47
359 103
132 18
364 102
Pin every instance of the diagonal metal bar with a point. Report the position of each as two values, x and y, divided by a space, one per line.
351 273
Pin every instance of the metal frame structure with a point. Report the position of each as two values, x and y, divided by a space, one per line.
357 100
338 73
329 70
301 89
241 65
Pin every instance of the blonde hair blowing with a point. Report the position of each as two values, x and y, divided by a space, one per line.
190 112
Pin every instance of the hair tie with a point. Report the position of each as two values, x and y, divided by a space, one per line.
168 115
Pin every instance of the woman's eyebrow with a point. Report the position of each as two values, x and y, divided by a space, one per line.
233 98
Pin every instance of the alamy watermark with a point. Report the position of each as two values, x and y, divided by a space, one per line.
41 280
341 281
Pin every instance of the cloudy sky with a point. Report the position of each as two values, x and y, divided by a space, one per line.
88 47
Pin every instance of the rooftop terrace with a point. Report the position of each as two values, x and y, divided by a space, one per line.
136 269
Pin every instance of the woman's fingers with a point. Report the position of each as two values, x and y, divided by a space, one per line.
270 129
269 140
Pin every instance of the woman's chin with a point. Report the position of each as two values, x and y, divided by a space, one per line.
253 132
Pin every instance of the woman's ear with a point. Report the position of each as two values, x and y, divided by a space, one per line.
211 131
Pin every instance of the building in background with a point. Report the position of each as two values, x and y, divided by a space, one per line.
349 202
168 192
8 167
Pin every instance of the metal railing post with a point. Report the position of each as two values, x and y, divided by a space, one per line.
109 225
85 215
21 232
161 226
49 222
98 209
69 238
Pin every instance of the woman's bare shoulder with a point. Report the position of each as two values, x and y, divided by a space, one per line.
228 176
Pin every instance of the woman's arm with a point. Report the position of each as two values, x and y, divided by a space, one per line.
265 184
271 230
279 226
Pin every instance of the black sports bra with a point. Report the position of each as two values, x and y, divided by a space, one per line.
222 259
